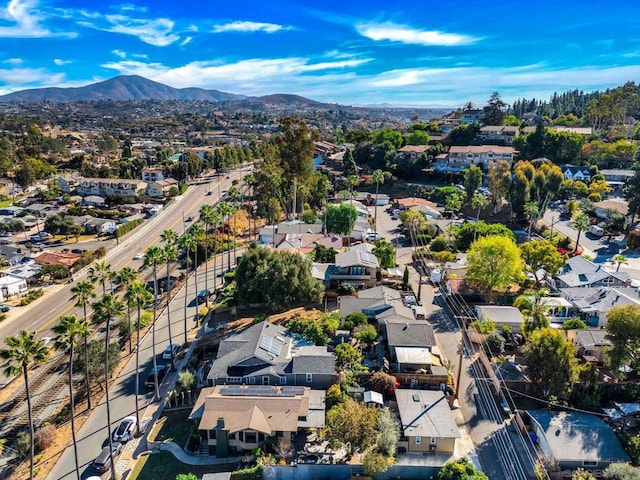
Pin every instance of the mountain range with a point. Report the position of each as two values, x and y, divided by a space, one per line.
121 88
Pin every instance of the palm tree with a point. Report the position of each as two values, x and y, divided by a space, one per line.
104 310
619 259
479 202
206 216
580 223
152 258
126 276
225 210
235 196
352 182
69 330
138 294
532 211
170 255
100 272
23 351
82 293
378 179
533 308
188 243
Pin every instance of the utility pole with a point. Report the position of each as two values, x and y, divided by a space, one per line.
459 374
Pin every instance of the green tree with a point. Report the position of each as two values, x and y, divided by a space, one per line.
170 255
551 362
209 216
125 277
621 471
388 135
619 259
349 166
532 211
346 355
494 111
471 231
378 179
68 331
383 382
385 252
623 331
573 324
188 243
388 433
23 352
340 219
100 272
259 274
82 293
352 424
368 335
541 255
472 180
375 463
479 202
418 137
532 306
461 469
581 223
494 262
186 476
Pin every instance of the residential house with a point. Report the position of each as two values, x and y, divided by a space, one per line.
11 285
500 134
355 267
402 335
10 211
56 258
99 226
410 153
580 272
576 172
558 309
472 115
576 440
592 343
586 131
237 418
380 304
93 201
606 209
593 303
266 235
426 421
501 315
268 354
161 188
366 198
105 187
373 399
68 183
152 174
413 202
297 226
460 158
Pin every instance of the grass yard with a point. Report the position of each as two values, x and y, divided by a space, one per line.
164 466
173 426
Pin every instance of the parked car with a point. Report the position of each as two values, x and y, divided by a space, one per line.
202 296
4 308
372 236
171 351
77 250
159 372
125 430
101 463
188 219
138 256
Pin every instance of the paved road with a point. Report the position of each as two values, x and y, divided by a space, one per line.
46 311
93 436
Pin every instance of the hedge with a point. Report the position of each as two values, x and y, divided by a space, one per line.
127 227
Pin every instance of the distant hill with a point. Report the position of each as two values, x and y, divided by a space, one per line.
121 88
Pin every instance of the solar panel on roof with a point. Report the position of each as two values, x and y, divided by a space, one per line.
270 345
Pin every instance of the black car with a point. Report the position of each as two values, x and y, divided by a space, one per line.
160 372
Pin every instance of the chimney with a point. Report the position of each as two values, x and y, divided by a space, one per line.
222 439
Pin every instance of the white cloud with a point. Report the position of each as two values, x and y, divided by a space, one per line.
185 41
130 7
60 62
13 61
156 32
13 80
247 27
20 19
403 34
119 53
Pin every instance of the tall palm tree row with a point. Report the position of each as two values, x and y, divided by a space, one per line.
152 258
170 255
82 293
378 179
68 331
126 277
22 352
105 309
138 295
188 243
225 210
235 196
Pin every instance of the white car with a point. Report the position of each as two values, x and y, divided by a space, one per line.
372 236
138 256
125 430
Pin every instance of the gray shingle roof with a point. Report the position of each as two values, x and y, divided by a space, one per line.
426 413
410 334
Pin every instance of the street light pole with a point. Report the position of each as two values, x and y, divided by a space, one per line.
553 221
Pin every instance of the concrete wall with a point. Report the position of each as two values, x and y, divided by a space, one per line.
346 472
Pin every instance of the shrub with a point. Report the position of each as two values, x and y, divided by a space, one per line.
356 318
439 244
485 327
127 227
186 380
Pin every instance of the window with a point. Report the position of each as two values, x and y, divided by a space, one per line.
265 380
418 440
309 377
588 463
212 434
433 440
252 379
302 419
234 379
250 437
283 380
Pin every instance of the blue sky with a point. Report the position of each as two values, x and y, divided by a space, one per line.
351 52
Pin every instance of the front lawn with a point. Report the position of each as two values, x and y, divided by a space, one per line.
174 427
165 466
